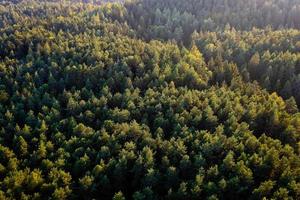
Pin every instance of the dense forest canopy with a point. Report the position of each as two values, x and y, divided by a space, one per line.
177 19
150 99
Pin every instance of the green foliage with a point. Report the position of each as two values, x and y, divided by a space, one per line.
91 107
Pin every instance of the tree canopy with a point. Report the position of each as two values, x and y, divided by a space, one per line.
150 99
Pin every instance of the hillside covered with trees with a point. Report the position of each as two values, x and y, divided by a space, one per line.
150 99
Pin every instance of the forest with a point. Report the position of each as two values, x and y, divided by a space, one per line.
150 99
